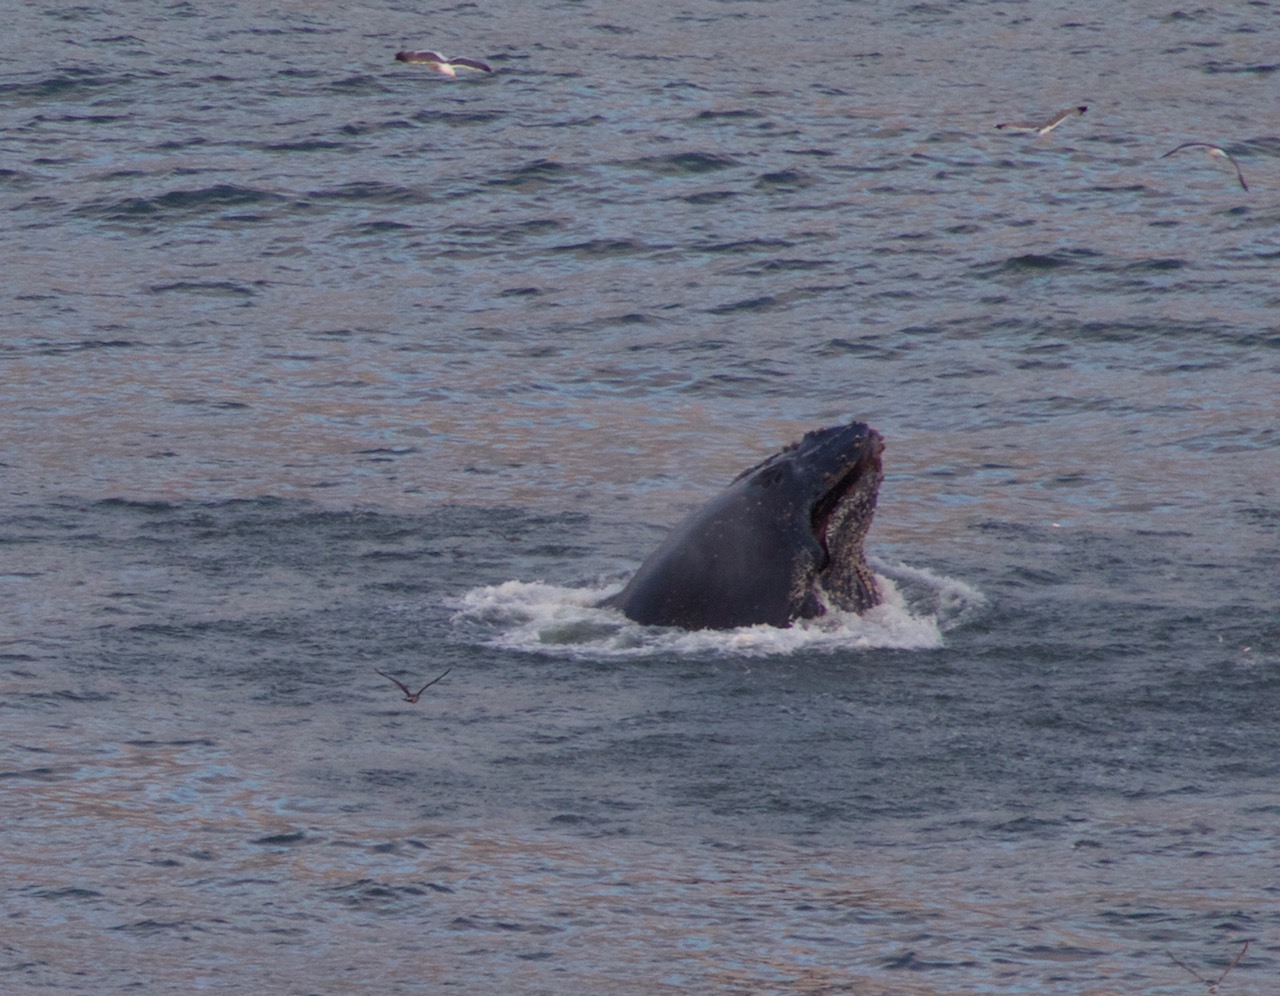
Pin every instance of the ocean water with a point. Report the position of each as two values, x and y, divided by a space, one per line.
314 363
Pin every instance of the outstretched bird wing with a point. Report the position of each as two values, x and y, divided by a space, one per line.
472 64
423 56
429 684
404 688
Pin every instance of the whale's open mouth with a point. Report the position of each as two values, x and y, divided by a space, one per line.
854 491
840 519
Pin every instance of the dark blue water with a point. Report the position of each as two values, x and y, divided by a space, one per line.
315 363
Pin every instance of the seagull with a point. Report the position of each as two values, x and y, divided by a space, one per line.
1213 150
1045 127
408 695
449 67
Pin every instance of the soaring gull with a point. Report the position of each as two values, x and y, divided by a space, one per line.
408 695
1043 127
1212 150
448 67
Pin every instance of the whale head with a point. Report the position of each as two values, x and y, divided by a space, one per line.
783 541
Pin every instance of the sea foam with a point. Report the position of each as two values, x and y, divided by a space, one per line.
918 607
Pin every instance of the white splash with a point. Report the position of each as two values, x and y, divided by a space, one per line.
918 607
950 601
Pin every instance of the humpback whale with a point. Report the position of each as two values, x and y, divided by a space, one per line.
782 542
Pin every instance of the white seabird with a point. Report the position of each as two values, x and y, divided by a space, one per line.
1213 150
1043 127
448 67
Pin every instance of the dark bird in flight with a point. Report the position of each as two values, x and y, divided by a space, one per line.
408 695
1213 150
1043 127
448 67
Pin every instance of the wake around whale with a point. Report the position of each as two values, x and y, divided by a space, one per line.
784 541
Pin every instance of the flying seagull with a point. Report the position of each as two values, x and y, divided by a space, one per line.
1213 150
408 695
436 61
1044 127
